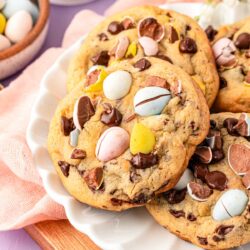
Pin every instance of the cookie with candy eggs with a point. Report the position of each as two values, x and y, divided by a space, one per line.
210 204
231 47
129 134
148 31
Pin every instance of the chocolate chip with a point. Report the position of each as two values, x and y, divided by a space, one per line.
243 41
101 58
172 35
200 171
85 110
229 124
165 58
174 196
223 82
142 64
247 54
142 161
67 125
65 166
242 127
111 116
213 124
127 23
116 202
224 229
199 190
188 45
93 178
203 154
202 240
140 199
151 28
157 81
177 213
211 32
216 180
188 28
103 37
191 217
78 154
115 28
217 239
218 155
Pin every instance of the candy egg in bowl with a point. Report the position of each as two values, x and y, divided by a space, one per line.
23 29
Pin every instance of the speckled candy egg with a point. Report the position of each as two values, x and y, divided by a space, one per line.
151 100
13 6
4 43
112 143
18 26
231 203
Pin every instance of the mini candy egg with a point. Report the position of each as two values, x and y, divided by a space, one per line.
184 180
117 84
224 52
74 135
142 140
232 203
4 43
151 100
149 45
2 3
18 26
132 50
112 143
13 6
2 23
97 84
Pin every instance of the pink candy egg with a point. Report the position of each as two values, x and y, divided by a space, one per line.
4 43
149 45
112 143
18 26
224 52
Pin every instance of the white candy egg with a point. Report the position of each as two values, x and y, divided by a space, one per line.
94 67
151 100
117 84
231 203
184 180
4 43
18 26
149 46
13 6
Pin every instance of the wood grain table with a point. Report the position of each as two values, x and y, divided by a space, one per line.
59 235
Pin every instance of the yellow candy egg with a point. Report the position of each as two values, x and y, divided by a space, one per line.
246 84
200 84
142 139
132 50
97 86
2 23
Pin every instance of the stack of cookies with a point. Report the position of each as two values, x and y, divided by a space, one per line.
135 128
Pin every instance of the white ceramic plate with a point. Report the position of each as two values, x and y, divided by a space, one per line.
133 229
70 2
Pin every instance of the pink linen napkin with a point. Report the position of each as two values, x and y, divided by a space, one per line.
23 200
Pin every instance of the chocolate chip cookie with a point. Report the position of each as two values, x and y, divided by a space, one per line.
231 47
149 31
118 141
210 206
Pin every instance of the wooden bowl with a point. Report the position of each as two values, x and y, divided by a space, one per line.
20 54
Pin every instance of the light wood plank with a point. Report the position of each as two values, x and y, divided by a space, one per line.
59 235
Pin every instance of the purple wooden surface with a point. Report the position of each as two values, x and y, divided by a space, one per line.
60 17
